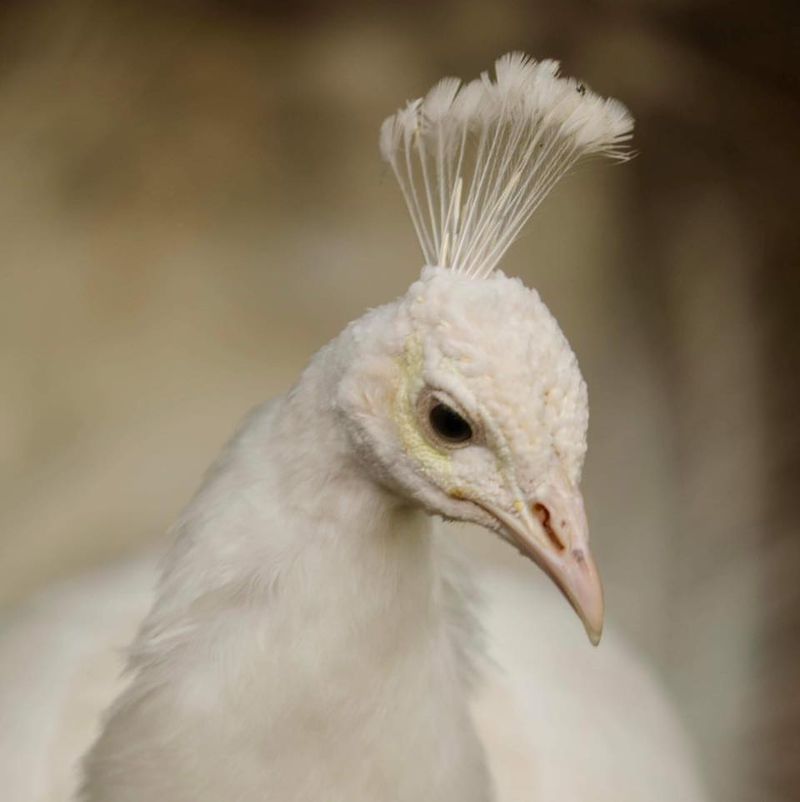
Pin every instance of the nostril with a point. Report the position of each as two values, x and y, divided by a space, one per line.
543 514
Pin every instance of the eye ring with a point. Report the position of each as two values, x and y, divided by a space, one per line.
444 421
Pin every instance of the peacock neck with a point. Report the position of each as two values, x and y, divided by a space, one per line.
290 510
302 628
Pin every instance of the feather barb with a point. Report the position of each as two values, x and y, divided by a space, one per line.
474 160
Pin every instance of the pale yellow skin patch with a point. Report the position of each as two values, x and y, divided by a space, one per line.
435 462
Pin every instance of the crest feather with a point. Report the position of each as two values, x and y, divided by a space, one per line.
475 160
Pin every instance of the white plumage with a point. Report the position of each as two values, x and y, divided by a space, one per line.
312 637
562 722
475 160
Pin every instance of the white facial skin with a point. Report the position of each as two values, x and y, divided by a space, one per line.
471 404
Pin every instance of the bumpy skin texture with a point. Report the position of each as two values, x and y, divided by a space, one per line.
521 375
493 347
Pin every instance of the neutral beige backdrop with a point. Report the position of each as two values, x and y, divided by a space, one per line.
192 202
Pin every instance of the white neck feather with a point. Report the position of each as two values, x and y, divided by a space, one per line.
299 627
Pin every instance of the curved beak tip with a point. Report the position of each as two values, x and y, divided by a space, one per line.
559 519
585 592
594 634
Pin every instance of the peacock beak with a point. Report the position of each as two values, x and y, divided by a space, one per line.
552 530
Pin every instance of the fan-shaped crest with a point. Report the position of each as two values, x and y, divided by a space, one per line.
475 160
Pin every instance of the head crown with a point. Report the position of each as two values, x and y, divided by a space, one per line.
475 160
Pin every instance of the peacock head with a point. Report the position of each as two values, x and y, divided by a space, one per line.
467 398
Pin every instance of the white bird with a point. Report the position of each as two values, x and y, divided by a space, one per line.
312 637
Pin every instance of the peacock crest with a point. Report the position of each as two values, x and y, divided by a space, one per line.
475 160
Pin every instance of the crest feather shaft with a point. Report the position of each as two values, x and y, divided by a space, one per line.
475 160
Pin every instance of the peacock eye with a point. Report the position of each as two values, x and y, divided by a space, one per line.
448 424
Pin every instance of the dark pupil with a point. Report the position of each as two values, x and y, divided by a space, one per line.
449 425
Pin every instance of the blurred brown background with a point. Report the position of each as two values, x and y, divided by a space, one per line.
191 202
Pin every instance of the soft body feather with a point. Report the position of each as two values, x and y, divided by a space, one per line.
297 631
557 722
